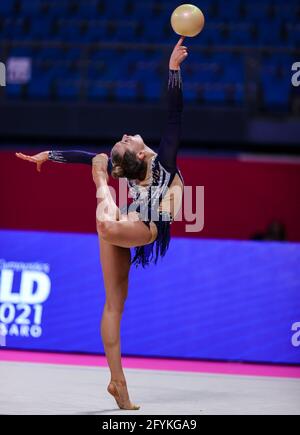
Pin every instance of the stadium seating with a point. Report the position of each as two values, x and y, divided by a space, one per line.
95 49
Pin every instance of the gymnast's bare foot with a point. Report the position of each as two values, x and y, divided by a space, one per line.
100 174
118 389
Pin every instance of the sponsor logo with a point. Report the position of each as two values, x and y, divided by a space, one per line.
24 289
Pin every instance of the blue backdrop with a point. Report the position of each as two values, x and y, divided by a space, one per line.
207 299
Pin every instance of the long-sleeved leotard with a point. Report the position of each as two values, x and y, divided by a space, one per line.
169 144
170 140
75 156
164 184
162 176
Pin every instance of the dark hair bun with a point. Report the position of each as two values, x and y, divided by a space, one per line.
117 171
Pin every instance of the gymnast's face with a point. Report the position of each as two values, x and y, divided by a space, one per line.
134 144
128 158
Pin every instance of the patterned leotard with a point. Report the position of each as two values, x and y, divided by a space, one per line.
158 197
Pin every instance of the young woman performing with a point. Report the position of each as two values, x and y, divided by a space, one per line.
144 225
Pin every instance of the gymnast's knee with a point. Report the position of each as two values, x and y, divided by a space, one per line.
106 229
116 305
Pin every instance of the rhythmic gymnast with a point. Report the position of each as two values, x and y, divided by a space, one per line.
151 177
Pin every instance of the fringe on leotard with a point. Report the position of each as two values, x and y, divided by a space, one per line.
144 255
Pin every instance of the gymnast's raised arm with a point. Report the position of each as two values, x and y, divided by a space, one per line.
169 144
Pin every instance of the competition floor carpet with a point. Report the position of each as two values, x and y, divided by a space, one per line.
35 383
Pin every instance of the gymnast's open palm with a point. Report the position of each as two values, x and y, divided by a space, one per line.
38 159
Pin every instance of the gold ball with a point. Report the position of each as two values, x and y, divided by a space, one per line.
187 20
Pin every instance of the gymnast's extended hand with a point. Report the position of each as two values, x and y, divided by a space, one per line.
38 159
178 55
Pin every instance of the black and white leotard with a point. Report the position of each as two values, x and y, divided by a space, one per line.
151 197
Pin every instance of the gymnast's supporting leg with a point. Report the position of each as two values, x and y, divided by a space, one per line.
115 263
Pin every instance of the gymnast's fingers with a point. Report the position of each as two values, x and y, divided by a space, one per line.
28 158
24 157
179 43
21 156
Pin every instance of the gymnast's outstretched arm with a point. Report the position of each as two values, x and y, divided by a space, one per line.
69 156
75 156
170 141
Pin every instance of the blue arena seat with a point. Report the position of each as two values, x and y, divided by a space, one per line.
7 7
103 54
229 10
57 9
39 88
41 29
107 71
276 80
214 93
192 91
100 90
97 70
154 30
20 52
294 33
17 30
67 89
70 31
50 53
143 10
30 7
239 93
65 32
271 34
14 91
126 90
212 34
114 9
257 10
241 34
210 10
88 9
152 90
98 30
125 31
146 70
202 72
277 60
73 53
234 70
276 92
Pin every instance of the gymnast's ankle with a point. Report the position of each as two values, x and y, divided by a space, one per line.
119 380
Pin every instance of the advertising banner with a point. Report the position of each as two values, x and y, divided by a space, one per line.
207 299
